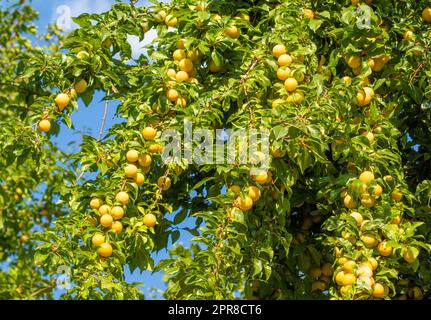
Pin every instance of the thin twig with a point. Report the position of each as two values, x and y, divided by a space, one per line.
104 117
43 290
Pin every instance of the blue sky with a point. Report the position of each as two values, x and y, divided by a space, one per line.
88 120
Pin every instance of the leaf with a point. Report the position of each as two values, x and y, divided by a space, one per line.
175 236
315 24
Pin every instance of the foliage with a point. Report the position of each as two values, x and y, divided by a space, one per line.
362 104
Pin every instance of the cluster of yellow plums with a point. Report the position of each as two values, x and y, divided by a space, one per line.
369 190
284 73
246 202
109 215
169 19
62 100
109 220
322 276
186 71
361 273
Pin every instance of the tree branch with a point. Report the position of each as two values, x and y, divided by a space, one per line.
105 113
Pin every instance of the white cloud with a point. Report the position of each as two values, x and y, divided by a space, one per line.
138 47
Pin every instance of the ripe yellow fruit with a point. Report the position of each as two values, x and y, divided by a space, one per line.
358 217
347 80
342 260
104 209
396 195
408 35
171 21
117 212
369 240
379 64
235 189
150 220
130 171
105 250
349 202
367 200
378 190
164 183
327 269
106 220
308 13
354 62
24 238
318 286
426 14
98 239
145 160
122 197
373 262
379 290
254 193
132 155
81 86
139 179
232 32
194 54
348 279
285 60
179 55
186 65
149 133
315 272
278 50
369 136
384 249
396 219
261 177
339 278
117 226
182 76
409 255
62 100
154 148
283 73
95 203
173 95
171 73
349 266
388 179
160 16
291 84
242 16
181 44
213 67
245 203
366 177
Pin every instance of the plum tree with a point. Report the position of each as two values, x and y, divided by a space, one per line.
342 211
